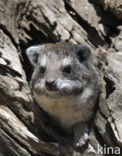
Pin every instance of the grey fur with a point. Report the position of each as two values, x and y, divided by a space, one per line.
65 82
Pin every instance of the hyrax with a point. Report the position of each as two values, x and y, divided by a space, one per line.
65 84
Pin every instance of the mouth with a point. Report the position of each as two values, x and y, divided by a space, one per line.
52 89
53 94
57 93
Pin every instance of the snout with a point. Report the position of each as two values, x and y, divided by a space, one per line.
51 85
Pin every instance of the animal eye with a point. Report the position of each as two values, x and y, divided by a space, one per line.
42 70
67 69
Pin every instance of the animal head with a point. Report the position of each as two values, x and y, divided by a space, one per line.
60 69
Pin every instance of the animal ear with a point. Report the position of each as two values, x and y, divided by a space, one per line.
82 51
33 53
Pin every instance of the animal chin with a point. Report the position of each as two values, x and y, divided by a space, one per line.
52 94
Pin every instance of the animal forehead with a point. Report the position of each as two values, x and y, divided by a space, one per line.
55 59
64 48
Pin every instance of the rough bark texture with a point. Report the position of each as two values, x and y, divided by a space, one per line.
115 6
24 128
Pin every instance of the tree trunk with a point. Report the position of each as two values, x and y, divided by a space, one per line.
24 129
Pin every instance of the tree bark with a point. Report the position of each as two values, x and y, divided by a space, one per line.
24 129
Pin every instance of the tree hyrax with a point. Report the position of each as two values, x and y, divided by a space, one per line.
65 84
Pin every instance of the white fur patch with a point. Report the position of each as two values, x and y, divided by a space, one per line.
40 84
63 84
67 61
87 92
34 48
43 60
82 140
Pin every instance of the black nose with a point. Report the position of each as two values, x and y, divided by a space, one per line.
50 84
